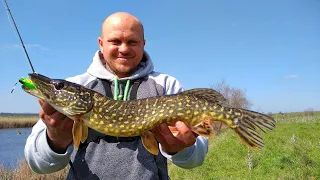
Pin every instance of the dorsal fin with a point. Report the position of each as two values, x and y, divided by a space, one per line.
208 94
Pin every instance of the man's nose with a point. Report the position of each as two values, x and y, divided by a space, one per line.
123 48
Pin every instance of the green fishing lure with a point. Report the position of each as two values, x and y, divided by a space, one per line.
27 83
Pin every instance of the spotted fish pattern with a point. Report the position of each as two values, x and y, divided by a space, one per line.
197 108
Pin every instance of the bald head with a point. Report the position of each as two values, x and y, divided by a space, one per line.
122 19
121 43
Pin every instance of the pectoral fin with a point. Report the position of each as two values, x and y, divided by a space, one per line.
150 143
77 133
204 129
84 133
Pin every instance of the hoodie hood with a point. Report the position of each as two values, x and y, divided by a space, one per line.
99 70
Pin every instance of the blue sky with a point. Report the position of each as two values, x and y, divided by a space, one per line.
269 48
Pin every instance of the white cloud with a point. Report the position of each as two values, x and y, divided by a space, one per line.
36 46
291 76
28 46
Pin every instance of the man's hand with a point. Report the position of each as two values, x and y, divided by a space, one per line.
172 144
59 127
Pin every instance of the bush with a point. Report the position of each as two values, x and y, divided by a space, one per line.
235 97
308 112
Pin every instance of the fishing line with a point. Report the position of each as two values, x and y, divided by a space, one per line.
14 87
16 28
9 14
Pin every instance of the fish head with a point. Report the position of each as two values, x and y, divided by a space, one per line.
67 97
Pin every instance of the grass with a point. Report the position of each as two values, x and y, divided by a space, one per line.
297 117
12 121
292 151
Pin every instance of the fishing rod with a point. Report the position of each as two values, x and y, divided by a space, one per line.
26 81
24 48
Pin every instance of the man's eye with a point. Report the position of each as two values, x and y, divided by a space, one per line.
133 42
115 42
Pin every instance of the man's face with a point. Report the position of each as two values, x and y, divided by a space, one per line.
122 46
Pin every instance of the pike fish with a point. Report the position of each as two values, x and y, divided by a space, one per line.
197 108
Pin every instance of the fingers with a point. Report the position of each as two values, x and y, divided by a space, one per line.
169 143
48 109
185 134
158 134
56 118
59 127
164 135
41 102
50 116
174 143
43 115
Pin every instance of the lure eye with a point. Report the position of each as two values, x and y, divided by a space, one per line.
58 85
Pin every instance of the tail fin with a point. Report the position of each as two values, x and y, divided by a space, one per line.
249 122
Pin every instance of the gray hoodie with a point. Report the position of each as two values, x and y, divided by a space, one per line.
115 160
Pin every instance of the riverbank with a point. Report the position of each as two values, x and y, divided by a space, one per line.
24 172
17 121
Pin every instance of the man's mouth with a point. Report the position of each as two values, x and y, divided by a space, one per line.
123 58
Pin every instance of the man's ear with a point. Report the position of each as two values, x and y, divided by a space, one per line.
100 42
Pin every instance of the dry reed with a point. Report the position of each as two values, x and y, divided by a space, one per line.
17 121
24 172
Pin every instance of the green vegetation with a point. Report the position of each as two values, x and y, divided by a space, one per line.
292 151
297 117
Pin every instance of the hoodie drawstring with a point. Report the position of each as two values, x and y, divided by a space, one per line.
126 90
116 95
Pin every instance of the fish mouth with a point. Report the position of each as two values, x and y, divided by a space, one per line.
33 92
40 82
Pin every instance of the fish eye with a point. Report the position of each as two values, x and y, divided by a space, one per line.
58 85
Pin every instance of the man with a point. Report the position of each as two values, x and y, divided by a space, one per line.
120 62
